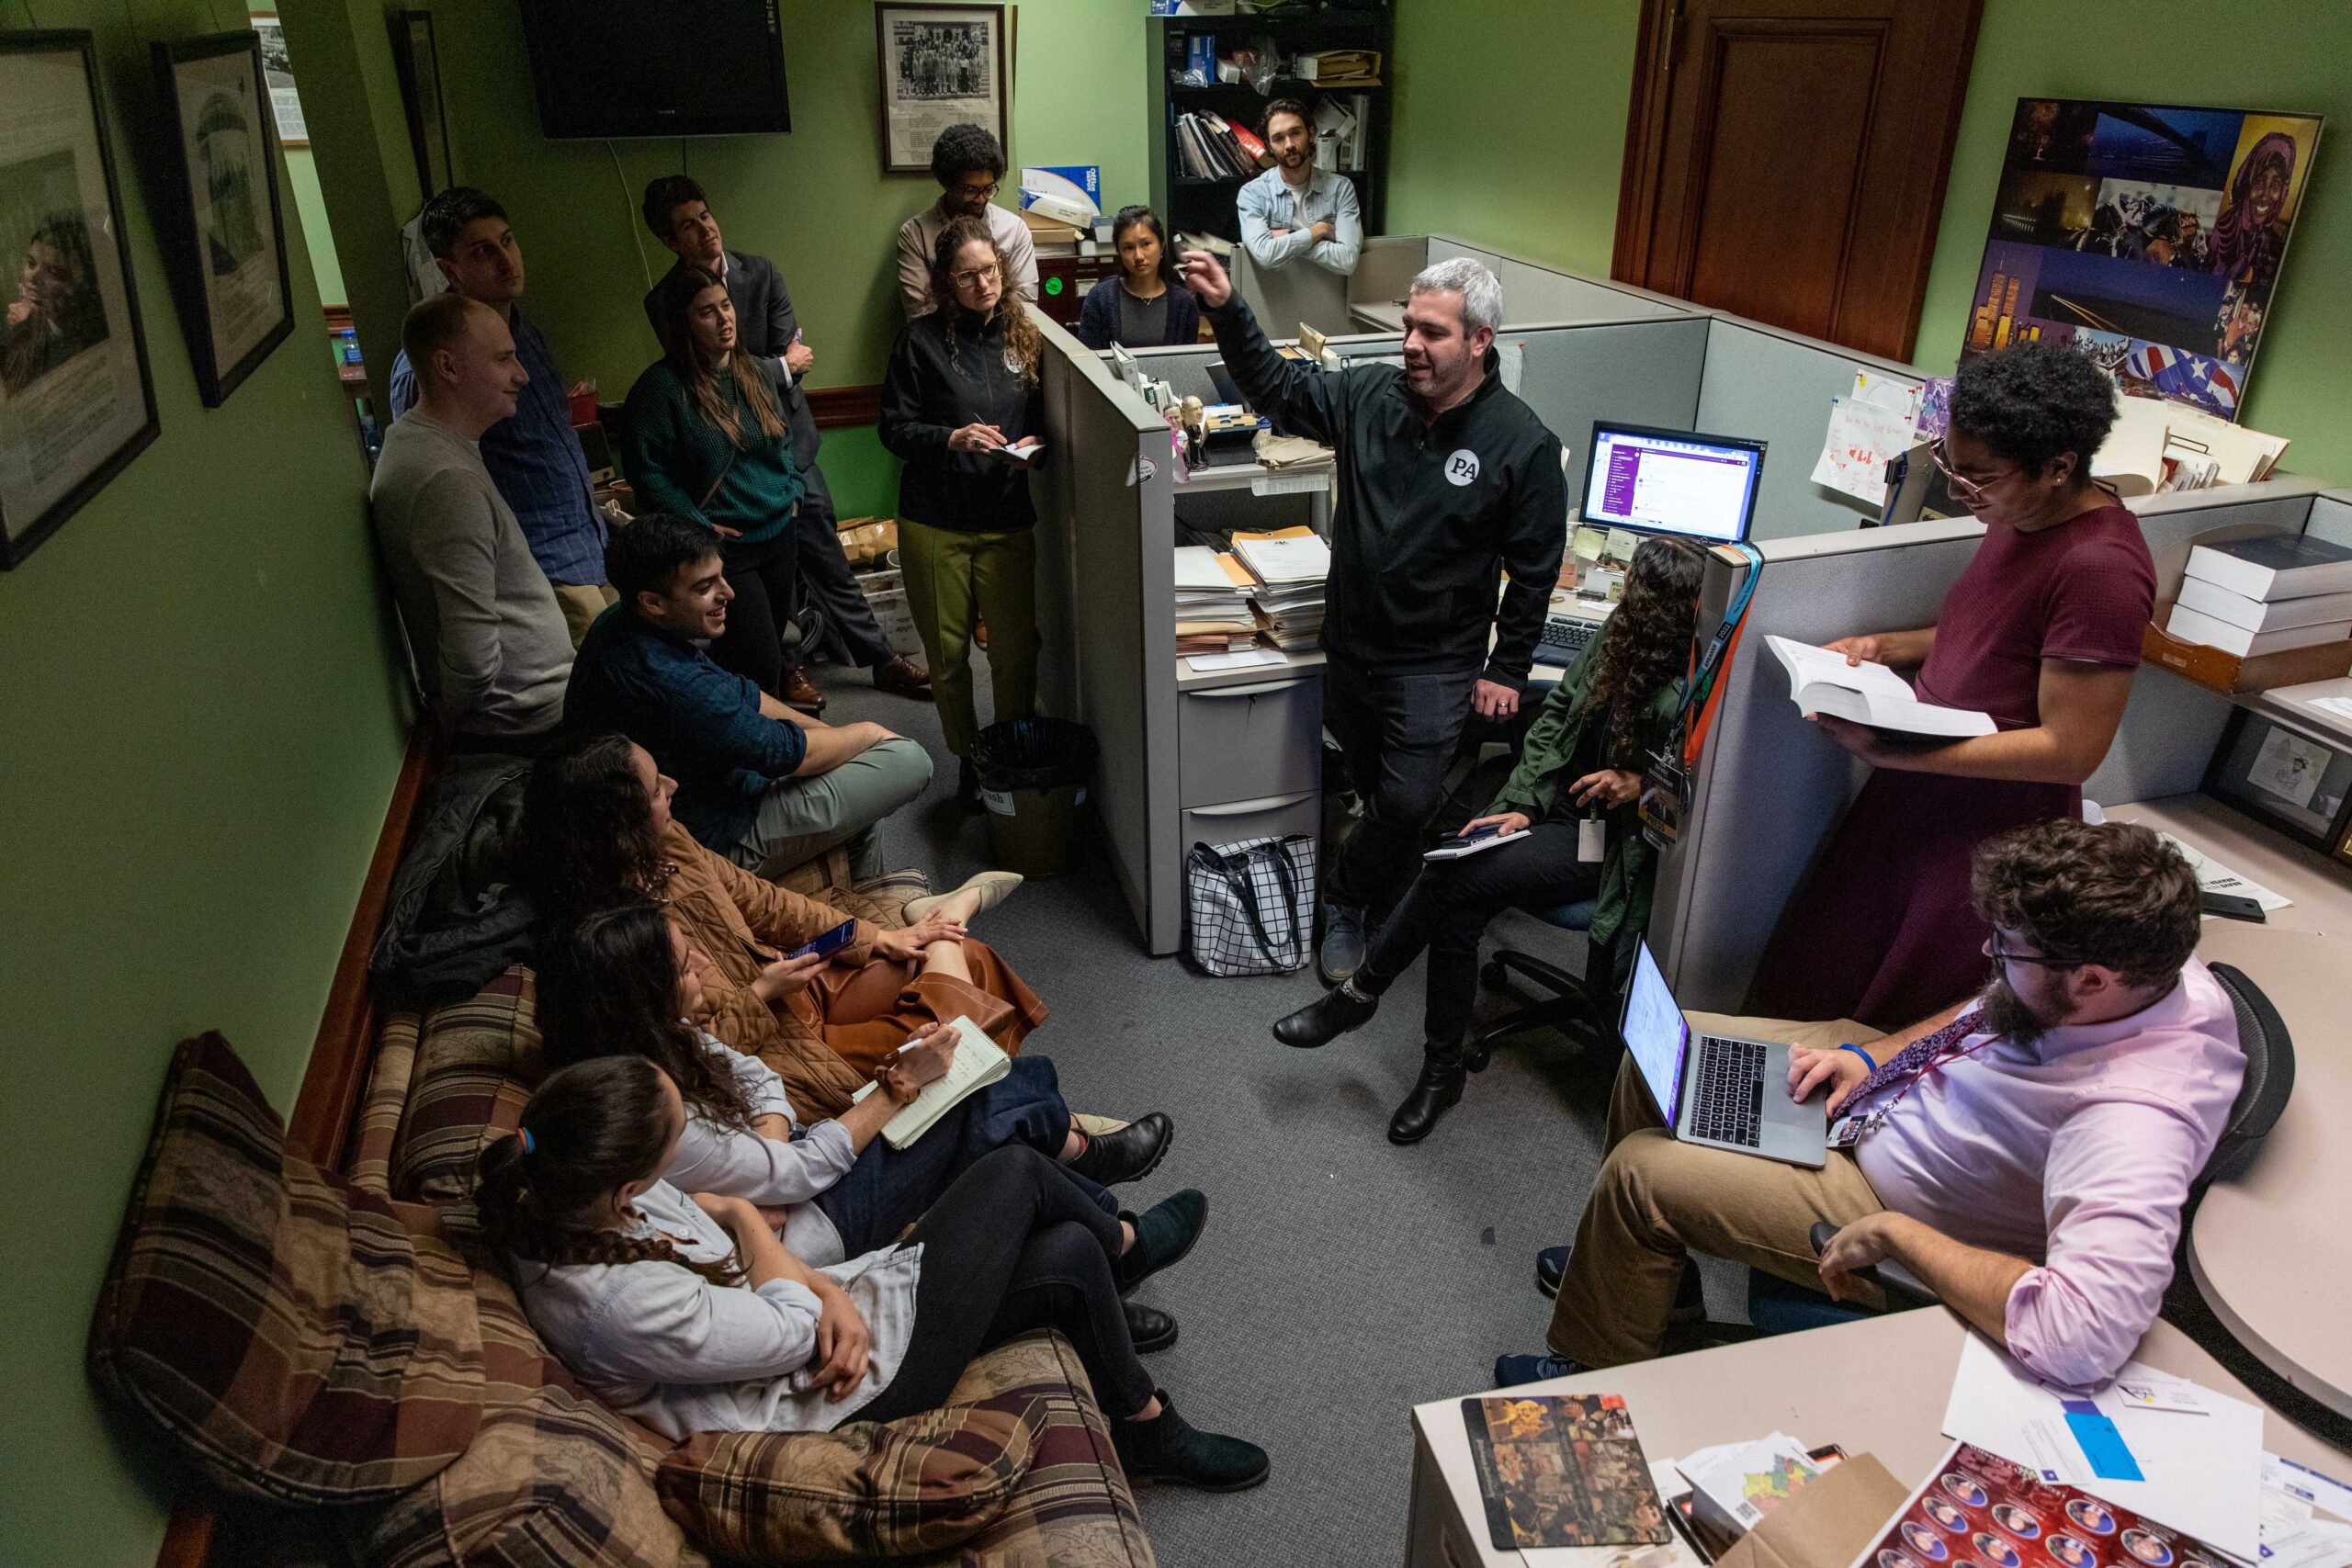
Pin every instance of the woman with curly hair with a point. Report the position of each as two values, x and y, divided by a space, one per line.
2042 632
687 1312
961 391
1583 757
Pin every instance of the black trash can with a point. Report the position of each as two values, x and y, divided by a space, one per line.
1033 774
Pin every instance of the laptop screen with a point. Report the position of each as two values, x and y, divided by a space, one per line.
1656 1032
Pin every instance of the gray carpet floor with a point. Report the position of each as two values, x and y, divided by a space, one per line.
1342 1280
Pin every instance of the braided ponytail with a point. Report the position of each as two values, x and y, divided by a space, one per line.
592 1129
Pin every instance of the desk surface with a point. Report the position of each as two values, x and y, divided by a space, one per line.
1806 1385
1378 315
2322 894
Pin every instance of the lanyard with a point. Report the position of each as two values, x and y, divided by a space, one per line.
1700 685
1877 1118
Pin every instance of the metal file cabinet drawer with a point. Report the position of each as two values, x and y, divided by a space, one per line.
1250 742
1275 816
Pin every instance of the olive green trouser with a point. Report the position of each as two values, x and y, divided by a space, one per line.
1658 1200
954 578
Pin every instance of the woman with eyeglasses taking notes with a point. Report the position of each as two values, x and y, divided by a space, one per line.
2042 632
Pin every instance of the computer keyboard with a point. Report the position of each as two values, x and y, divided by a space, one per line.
1728 1107
1565 636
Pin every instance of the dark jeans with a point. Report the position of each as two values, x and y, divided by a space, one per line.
830 581
1397 734
1447 909
764 576
1014 1244
888 1189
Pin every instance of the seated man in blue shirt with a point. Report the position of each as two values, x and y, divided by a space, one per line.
758 782
534 458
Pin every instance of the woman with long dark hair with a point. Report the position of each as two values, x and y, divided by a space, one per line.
1149 306
57 311
708 442
596 832
625 981
687 1313
961 389
1579 774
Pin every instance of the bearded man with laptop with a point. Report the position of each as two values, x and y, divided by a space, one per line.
2025 1154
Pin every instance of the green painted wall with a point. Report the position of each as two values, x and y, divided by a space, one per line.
815 201
198 732
1521 148
310 206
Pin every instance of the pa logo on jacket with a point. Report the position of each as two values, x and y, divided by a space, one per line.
1462 465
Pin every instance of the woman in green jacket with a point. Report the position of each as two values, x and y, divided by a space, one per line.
708 442
1583 758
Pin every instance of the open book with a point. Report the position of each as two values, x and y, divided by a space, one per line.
1822 681
977 1064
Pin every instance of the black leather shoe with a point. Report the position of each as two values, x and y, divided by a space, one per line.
1325 1019
1440 1088
1149 1328
1164 1232
1170 1450
1128 1154
967 785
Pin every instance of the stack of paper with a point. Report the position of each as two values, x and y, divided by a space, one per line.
1212 605
1338 68
2157 445
1287 570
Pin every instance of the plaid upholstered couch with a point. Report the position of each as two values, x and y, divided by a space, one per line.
319 1340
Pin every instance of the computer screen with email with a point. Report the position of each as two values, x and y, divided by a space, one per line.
1655 1031
1670 482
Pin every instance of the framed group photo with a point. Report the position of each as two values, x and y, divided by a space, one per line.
941 65
223 227
77 401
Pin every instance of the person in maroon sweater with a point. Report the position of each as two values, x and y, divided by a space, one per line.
2042 631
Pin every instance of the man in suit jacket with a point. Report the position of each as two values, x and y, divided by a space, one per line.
680 216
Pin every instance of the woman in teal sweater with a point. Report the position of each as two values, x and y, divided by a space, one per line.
708 443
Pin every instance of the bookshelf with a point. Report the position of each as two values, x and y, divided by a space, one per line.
1191 203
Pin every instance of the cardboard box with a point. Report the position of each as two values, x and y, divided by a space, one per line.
866 540
1828 1524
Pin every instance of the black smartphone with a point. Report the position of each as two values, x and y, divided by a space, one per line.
2232 906
825 946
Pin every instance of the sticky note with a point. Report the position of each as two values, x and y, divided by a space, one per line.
1588 543
1622 543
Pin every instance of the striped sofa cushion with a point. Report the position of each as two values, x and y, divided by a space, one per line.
475 1063
281 1329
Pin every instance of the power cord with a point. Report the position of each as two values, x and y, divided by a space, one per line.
628 213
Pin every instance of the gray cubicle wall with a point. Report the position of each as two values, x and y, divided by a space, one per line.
2331 516
1534 293
1769 788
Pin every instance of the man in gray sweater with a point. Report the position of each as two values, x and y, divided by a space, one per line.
489 636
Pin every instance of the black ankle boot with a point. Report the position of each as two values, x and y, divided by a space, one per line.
1127 1155
1441 1087
1325 1019
1170 1450
1149 1328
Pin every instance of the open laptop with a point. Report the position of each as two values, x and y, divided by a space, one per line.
1726 1094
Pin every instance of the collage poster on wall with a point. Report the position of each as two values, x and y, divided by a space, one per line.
2148 237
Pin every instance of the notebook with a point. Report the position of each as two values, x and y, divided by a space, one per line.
977 1063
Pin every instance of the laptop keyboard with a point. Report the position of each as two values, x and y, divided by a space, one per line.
1728 1105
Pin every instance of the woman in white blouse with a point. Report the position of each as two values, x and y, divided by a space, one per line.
689 1313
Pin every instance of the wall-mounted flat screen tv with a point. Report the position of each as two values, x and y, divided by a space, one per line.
607 68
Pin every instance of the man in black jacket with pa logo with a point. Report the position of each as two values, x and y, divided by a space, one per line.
1446 481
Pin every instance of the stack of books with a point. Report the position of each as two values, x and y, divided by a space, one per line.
1212 607
1212 148
2261 596
1287 570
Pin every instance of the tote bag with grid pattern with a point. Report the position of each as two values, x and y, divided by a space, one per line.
1251 906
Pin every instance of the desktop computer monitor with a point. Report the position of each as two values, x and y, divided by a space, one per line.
1672 481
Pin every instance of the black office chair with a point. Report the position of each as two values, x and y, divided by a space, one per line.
1578 1005
1776 1306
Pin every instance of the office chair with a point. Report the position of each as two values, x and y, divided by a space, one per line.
1578 1005
1776 1306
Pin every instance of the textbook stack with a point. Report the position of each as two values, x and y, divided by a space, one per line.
1287 570
1210 147
1212 611
2264 596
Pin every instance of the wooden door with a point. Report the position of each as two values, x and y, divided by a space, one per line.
1785 158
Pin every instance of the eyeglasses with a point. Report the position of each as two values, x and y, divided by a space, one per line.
985 193
1999 954
1963 490
973 278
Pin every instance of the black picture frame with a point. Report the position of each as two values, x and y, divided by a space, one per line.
417 53
914 111
57 176
219 242
2234 776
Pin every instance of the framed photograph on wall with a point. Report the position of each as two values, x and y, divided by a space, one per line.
278 70
78 403
224 229
941 65
2296 781
418 58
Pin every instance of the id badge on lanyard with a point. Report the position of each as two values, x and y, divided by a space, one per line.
1665 797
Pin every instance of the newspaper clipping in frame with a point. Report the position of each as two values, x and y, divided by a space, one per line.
942 65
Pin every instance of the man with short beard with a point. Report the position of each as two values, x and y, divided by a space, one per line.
1295 212
2025 1153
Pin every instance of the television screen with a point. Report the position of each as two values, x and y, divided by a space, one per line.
635 68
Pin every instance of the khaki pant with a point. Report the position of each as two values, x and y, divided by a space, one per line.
952 579
582 602
1656 1200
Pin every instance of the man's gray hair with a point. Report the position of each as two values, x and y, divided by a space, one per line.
1482 295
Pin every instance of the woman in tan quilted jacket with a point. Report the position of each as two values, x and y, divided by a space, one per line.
596 832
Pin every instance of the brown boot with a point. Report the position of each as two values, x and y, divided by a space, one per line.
801 692
903 677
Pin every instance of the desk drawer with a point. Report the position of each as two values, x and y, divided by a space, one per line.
1271 816
1249 741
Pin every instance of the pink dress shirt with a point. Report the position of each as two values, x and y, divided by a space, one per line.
2077 1154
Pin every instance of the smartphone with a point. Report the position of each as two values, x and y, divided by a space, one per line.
825 946
2232 906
